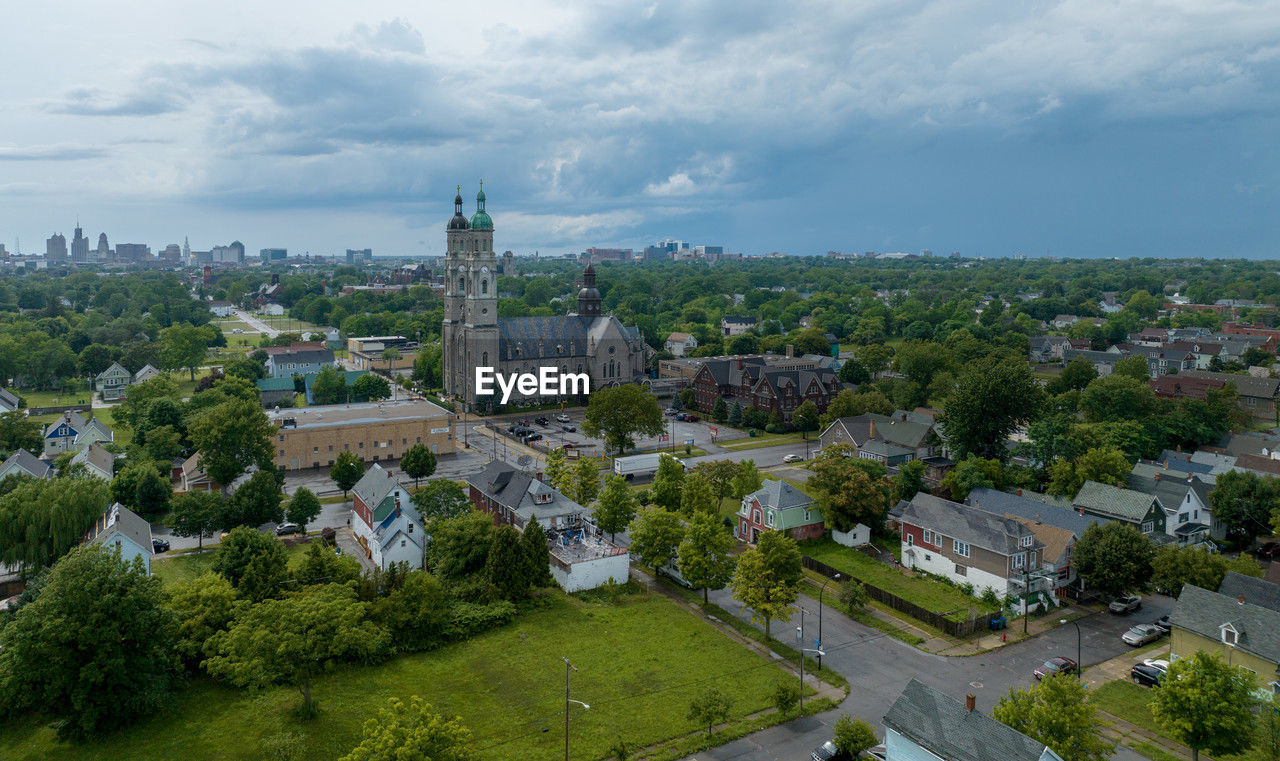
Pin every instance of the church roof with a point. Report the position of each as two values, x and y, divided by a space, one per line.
550 337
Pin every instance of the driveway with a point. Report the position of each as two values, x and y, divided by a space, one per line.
255 323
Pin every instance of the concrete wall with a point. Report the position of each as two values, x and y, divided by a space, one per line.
590 574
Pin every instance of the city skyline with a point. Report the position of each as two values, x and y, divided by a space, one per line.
1072 129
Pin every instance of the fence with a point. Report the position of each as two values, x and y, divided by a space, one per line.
933 618
59 409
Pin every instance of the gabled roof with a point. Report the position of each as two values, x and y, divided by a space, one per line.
1114 502
972 525
891 428
1258 464
97 456
95 425
678 337
1029 508
780 495
24 460
1202 612
520 492
1181 461
71 418
115 369
303 357
1258 592
119 518
1056 540
1246 385
943 726
8 400
374 486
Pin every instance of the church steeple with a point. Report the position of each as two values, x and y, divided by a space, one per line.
589 297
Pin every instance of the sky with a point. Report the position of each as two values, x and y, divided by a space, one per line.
1081 128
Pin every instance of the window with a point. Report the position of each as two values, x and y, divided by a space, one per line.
1229 635
961 548
282 438
911 540
361 445
1020 560
315 450
410 528
928 536
1148 527
768 519
330 447
1026 541
962 570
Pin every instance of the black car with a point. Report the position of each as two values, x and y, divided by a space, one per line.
1145 675
568 428
532 437
1162 623
1268 551
541 420
159 545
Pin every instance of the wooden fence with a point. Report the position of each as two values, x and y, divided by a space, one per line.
58 409
933 618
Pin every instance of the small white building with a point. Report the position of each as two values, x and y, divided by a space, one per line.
580 562
680 344
272 309
221 308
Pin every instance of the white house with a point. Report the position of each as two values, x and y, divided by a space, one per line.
97 461
221 308
736 326
680 344
580 561
145 374
272 309
385 521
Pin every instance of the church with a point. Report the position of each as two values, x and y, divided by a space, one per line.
473 335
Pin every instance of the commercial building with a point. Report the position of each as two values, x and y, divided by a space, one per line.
273 254
359 255
312 437
366 353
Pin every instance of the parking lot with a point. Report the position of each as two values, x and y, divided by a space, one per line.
553 435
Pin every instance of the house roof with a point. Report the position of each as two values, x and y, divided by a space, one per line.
374 486
1055 539
941 725
71 418
303 356
1246 385
97 456
1258 464
1113 502
1254 591
1249 443
1202 612
898 429
1048 511
119 518
522 493
972 525
780 495
115 369
27 462
678 337
1180 387
9 400
1182 461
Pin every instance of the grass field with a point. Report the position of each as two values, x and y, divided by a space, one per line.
177 568
933 595
767 440
639 662
56 398
1128 701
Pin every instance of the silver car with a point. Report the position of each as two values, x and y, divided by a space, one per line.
1141 635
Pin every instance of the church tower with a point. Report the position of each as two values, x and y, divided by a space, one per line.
589 297
455 280
470 330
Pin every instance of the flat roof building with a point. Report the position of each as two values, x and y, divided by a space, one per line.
312 437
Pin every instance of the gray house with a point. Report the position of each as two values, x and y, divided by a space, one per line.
113 382
23 462
924 724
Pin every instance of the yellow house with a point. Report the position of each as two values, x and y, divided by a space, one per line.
1243 633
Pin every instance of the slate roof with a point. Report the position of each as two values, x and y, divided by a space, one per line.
97 456
1259 464
122 519
27 462
1113 502
941 725
975 526
9 401
374 486
523 493
780 495
537 337
1004 503
1246 385
1182 461
304 357
1202 612
890 428
1255 591
72 418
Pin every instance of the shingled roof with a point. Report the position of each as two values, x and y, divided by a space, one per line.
1254 591
1113 502
943 726
1205 613
972 525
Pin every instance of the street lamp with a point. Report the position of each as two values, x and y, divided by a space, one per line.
822 589
804 650
1079 638
568 668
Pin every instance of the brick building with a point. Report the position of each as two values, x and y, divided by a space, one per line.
312 437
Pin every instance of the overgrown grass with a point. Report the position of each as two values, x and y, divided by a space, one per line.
173 569
639 663
811 587
762 441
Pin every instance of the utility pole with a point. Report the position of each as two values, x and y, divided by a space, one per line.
568 668
804 650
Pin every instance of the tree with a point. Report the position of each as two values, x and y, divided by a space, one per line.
294 639
1206 705
586 481
303 508
767 578
1056 713
617 414
697 496
202 607
329 386
17 431
418 463
846 494
720 410
505 570
1243 502
709 708
256 502
854 596
718 473
40 520
197 513
616 507
786 696
95 650
390 356
806 416
1106 465
372 387
706 554
668 483
441 498
231 436
747 479
241 548
655 534
460 546
1134 367
152 492
1076 375
537 557
735 415
346 471
557 470
909 481
321 565
184 346
991 400
1113 559
853 736
1117 397
412 730
973 473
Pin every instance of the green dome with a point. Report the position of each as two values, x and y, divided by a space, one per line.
481 221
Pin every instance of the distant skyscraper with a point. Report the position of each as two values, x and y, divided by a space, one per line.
133 252
273 254
55 248
79 246
358 255
186 249
238 247
172 254
104 251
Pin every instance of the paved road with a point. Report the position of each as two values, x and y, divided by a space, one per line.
878 667
255 323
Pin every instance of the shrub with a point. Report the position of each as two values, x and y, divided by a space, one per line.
853 596
786 696
466 619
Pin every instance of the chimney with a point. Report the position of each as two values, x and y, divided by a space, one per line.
970 702
872 433
1158 476
1019 492
1240 599
791 351
739 361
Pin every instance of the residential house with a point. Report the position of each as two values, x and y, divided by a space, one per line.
1056 526
23 462
9 401
221 308
1185 499
924 724
887 439
1161 361
97 461
73 432
1051 348
272 309
1114 503
1064 321
193 478
113 382
1254 591
680 344
1239 630
384 520
1257 396
1103 361
736 326
121 528
1184 387
298 361
972 546
778 506
1202 351
145 374
1153 337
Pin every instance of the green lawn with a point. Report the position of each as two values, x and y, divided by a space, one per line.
933 595
768 440
1128 701
639 663
173 569
56 398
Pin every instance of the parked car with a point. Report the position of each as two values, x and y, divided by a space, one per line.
159 545
563 418
793 458
1146 675
541 421
1159 664
1268 551
827 752
691 418
669 411
532 437
288 529
567 428
1054 665
681 416
1141 635
1162 623
1125 604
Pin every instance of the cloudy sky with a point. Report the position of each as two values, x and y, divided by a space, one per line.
1083 128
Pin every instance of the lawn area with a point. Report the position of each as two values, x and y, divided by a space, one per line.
173 569
639 661
933 595
1127 701
56 398
767 440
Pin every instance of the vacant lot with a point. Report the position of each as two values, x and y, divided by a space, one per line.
172 569
640 662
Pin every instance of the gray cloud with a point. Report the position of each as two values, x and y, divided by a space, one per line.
87 101
51 153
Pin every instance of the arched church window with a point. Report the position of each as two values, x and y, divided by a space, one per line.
484 287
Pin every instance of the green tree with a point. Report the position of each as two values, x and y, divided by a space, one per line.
231 436
1244 502
416 614
94 651
303 508
1117 397
991 400
767 579
697 496
372 387
586 481
202 607
709 708
412 731
197 513
295 639
616 507
655 534
1106 465
346 471
506 572
720 411
441 498
854 596
40 520
185 346
846 494
1113 559
706 554
786 696
1056 713
617 414
973 473
460 546
1134 367
557 471
747 479
17 431
418 463
718 473
255 502
909 481
668 483
241 548
853 736
390 356
321 565
537 557
806 416
329 386
1076 375
152 493
735 415
1206 705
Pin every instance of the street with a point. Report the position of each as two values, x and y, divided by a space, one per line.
255 323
